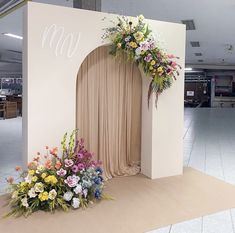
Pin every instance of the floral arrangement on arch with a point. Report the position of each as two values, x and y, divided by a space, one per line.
136 40
52 182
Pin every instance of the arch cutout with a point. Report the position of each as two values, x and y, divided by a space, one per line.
108 111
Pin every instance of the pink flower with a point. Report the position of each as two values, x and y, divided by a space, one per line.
81 166
171 56
68 162
80 155
72 181
75 168
61 172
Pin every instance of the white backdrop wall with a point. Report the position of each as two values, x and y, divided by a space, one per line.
50 75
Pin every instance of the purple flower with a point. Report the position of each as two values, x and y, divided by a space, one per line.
72 181
68 162
144 45
80 156
61 172
152 45
148 58
75 168
80 166
127 39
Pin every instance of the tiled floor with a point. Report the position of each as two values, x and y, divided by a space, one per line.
209 146
10 149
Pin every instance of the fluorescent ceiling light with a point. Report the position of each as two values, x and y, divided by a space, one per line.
188 69
13 36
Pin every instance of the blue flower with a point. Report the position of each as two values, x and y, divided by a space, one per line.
97 180
97 194
99 171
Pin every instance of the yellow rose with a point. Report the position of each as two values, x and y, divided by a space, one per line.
159 70
34 178
43 196
31 172
153 63
43 175
51 179
138 36
133 44
23 184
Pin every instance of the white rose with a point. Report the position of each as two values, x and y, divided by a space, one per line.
32 193
52 194
78 189
75 203
68 196
39 187
28 179
40 168
24 202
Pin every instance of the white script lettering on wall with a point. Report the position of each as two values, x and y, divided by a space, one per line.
56 38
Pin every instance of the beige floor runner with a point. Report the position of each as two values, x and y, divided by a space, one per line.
140 205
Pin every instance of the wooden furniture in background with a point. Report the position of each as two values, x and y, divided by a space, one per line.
11 109
3 110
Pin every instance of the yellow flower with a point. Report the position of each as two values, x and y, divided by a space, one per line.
119 45
133 44
34 178
43 175
151 68
23 184
31 172
139 36
51 179
153 63
159 70
43 196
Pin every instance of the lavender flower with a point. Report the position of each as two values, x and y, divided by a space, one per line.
68 196
75 168
148 58
144 45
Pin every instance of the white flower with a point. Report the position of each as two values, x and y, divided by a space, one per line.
140 17
75 203
32 193
138 51
39 188
40 168
28 179
78 189
68 196
24 202
52 194
85 191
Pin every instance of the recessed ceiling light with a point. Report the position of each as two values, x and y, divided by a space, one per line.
13 36
188 69
195 43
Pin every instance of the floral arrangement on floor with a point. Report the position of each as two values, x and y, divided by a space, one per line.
52 182
136 40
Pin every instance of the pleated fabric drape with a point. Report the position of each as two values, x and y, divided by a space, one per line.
109 111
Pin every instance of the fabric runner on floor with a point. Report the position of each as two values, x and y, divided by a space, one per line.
140 205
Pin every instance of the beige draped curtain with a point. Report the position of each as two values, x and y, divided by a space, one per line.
109 111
